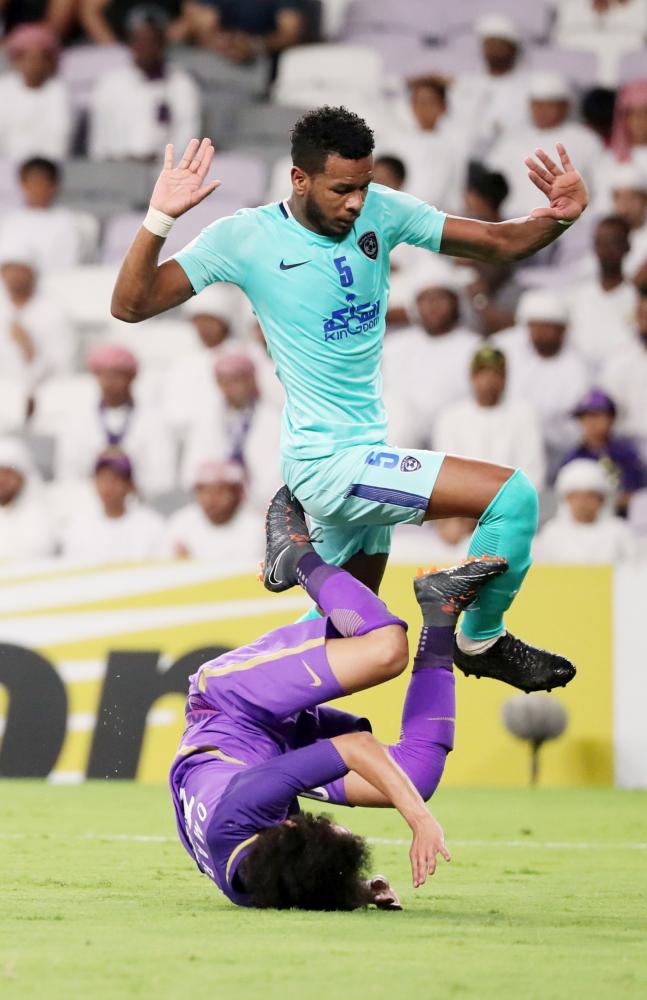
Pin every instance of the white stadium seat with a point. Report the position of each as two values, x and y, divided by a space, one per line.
337 74
82 65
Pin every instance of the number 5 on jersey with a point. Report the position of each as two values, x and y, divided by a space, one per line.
345 273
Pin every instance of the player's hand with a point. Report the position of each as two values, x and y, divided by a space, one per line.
180 188
428 841
564 187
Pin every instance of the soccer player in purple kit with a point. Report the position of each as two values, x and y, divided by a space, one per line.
258 734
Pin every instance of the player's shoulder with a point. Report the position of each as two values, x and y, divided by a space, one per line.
247 222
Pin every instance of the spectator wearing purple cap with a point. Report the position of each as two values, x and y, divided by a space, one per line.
35 114
121 529
218 525
115 415
596 414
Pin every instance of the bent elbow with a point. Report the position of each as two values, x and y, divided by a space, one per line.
125 314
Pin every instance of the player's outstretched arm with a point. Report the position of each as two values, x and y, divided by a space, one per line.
367 757
144 288
518 238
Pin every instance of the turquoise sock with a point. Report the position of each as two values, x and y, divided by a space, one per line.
309 615
506 528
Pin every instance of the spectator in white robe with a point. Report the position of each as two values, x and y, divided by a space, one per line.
602 308
426 365
120 528
36 338
493 296
113 416
35 113
550 100
624 376
188 384
137 109
26 530
237 425
489 426
54 236
584 530
218 525
629 196
444 542
544 370
495 99
607 28
424 137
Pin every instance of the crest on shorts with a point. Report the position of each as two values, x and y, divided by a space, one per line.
409 464
369 245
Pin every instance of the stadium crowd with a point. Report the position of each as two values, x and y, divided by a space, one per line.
161 440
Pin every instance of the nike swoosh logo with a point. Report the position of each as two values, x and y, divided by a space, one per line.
316 680
288 267
271 576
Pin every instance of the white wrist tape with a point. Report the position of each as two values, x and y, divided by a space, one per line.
158 222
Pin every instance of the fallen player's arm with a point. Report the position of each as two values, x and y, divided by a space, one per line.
362 754
145 288
502 242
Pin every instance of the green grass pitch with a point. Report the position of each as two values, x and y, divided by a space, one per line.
546 898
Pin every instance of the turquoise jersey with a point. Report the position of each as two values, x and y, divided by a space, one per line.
321 303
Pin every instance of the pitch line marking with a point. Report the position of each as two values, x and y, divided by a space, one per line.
545 845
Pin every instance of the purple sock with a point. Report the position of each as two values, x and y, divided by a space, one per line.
351 607
435 647
427 733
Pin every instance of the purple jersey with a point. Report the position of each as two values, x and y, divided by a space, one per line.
256 737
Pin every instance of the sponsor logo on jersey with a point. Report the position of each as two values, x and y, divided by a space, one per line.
351 319
369 245
409 464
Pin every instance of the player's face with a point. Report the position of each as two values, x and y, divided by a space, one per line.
334 199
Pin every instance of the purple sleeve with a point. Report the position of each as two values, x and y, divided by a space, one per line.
260 796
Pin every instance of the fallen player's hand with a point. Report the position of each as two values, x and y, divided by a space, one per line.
428 841
180 188
564 188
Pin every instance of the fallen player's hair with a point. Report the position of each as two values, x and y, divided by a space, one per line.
325 131
307 864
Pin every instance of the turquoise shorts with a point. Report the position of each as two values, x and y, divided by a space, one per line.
355 497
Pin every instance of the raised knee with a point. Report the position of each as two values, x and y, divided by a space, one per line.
526 497
394 651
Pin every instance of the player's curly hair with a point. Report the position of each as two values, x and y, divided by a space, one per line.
307 865
329 130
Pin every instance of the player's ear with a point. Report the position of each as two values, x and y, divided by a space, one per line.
299 180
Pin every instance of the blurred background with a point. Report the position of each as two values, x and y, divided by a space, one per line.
136 462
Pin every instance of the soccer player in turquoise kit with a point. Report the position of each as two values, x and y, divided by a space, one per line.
316 270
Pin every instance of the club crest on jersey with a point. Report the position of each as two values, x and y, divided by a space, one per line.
369 245
409 464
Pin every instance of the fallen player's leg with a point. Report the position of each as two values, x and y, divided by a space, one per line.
428 716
